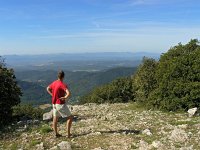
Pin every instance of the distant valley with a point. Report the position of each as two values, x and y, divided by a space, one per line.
33 83
84 71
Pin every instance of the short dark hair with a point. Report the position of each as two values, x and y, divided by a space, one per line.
61 74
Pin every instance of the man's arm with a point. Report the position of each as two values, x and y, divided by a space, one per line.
67 95
49 90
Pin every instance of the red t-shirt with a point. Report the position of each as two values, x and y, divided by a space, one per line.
58 89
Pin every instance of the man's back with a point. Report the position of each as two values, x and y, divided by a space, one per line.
58 90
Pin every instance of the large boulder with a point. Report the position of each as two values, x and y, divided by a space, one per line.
192 112
48 115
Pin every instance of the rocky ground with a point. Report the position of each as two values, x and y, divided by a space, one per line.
112 127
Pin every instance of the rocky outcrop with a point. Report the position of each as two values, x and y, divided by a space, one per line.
111 127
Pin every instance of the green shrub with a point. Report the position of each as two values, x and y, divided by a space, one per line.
34 142
27 111
45 129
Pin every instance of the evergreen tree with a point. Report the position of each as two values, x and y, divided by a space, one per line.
9 93
144 81
178 78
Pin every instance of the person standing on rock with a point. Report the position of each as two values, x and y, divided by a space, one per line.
60 94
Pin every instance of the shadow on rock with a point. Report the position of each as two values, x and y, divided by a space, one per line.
126 132
122 131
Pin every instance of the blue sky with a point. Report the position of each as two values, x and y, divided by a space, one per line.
73 26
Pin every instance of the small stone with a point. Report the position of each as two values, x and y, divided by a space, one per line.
29 121
143 145
104 118
183 126
147 132
36 121
20 123
54 148
157 144
40 146
98 148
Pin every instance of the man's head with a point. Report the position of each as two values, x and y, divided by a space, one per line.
61 75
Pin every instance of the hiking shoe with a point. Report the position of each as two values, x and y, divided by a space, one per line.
58 135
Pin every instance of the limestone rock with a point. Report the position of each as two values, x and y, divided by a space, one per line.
40 146
178 135
144 145
192 112
48 115
147 132
64 145
157 144
98 148
183 126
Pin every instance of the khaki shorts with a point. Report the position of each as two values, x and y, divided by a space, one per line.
61 110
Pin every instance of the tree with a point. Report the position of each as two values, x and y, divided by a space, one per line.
144 80
178 78
9 93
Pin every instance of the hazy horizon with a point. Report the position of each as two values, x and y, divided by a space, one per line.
49 26
63 53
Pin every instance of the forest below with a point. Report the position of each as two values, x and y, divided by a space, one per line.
34 82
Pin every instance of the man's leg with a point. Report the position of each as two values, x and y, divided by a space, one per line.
55 120
69 124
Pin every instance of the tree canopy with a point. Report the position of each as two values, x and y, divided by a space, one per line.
178 78
9 93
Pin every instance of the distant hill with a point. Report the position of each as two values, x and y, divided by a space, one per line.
34 83
74 62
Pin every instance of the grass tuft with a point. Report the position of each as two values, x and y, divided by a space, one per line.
45 129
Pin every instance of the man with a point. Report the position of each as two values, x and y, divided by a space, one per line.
60 94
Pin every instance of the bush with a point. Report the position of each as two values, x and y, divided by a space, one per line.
45 129
27 111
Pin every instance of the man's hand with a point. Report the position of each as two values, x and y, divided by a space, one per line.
66 96
63 98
